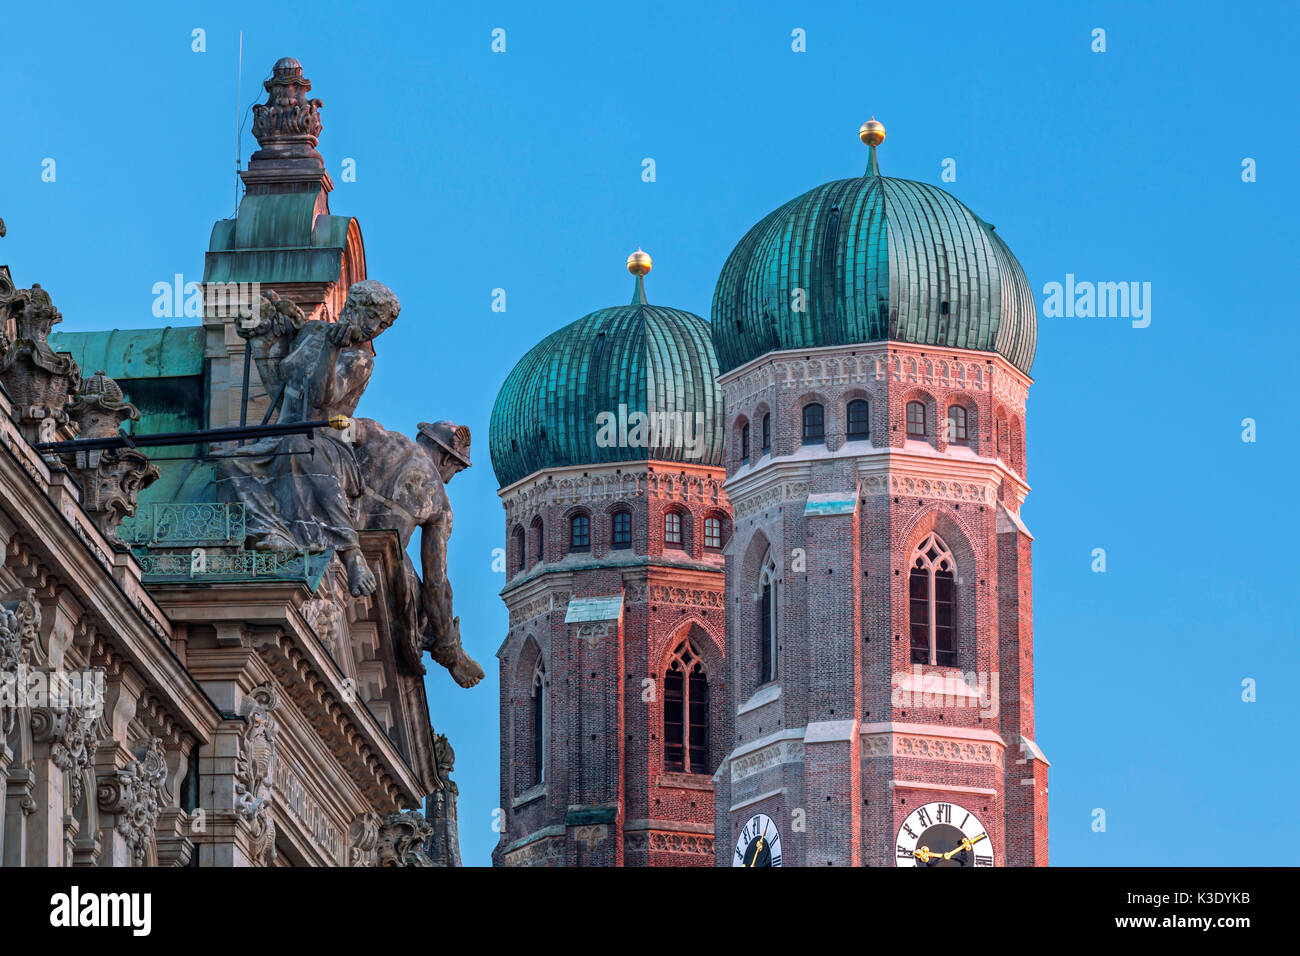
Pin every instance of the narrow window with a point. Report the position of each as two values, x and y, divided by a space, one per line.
672 528
744 442
859 426
686 712
622 535
931 604
580 533
517 549
915 420
539 723
767 621
956 423
814 424
539 540
767 433
713 533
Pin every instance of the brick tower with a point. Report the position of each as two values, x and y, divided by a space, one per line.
875 338
607 442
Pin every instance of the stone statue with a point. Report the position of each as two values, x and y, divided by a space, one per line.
299 491
404 488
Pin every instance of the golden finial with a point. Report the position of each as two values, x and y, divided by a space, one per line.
872 132
639 263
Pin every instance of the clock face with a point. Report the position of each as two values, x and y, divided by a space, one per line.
759 843
943 834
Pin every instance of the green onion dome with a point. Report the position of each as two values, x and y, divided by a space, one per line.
869 259
631 383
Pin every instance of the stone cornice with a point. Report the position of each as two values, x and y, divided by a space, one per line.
623 481
52 534
898 362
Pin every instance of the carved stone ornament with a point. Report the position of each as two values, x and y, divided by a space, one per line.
255 768
402 839
287 125
326 619
111 479
20 621
136 794
39 379
72 733
363 840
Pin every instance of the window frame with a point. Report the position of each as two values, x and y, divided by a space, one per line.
820 437
768 606
865 433
689 695
615 543
931 565
674 532
712 522
958 430
575 546
924 415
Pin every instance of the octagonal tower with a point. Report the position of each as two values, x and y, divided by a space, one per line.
875 338
607 442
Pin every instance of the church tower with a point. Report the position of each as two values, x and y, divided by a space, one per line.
606 439
875 338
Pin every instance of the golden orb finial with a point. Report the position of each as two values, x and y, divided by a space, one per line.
872 132
639 263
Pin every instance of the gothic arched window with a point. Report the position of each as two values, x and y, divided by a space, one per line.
931 588
767 621
539 722
859 424
744 442
916 419
814 424
686 712
580 533
956 423
767 432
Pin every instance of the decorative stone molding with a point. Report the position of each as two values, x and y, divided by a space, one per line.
925 747
546 851
595 485
773 755
692 844
136 794
72 734
542 604
363 840
678 596
402 839
921 486
255 768
769 497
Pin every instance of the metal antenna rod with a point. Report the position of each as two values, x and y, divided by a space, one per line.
239 73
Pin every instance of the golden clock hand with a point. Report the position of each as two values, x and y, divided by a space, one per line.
965 845
925 854
757 850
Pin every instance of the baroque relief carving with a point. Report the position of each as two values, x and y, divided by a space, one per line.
20 622
402 839
363 840
136 794
72 733
255 769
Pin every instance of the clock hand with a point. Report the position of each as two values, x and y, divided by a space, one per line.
925 854
965 845
757 850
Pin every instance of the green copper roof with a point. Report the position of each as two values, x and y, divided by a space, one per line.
135 353
877 259
647 358
277 237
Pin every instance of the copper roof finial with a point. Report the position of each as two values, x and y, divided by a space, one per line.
639 264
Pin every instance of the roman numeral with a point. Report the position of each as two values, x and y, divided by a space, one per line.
924 816
908 831
904 853
963 822
983 860
945 812
776 860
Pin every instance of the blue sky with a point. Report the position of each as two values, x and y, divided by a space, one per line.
522 171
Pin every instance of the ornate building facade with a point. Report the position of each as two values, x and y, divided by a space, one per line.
607 442
212 638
